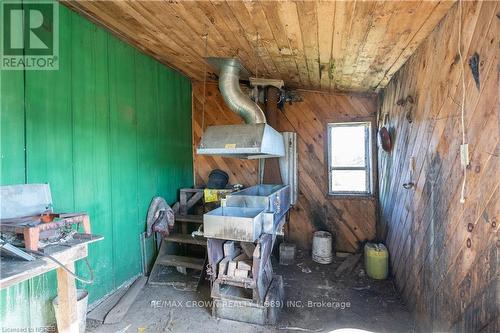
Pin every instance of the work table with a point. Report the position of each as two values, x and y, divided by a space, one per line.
14 271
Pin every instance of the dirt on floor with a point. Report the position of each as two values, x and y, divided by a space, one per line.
315 301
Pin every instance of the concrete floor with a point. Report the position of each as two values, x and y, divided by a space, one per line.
326 304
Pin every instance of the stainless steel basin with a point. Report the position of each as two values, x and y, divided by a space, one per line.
249 213
234 223
273 199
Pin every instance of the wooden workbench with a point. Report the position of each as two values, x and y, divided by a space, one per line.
14 271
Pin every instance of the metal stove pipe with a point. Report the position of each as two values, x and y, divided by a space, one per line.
238 102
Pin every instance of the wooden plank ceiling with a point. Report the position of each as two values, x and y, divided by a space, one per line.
320 45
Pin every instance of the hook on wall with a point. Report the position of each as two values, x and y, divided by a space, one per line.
410 184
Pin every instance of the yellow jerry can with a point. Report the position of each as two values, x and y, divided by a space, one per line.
376 261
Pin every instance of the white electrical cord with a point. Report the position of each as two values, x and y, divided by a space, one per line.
204 82
464 164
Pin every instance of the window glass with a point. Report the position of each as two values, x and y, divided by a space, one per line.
348 146
349 156
348 180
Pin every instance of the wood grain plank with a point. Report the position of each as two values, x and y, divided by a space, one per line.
267 39
309 28
280 37
382 14
341 32
325 12
240 33
361 22
229 30
252 33
288 15
432 20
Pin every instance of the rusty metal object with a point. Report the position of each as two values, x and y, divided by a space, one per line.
384 139
48 217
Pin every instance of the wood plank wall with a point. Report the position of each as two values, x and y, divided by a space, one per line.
353 220
444 254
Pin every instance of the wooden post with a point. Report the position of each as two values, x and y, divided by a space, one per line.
66 311
183 202
86 224
31 237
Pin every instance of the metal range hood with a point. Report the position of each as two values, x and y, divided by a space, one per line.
252 140
246 141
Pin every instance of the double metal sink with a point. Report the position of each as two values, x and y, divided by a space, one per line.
249 213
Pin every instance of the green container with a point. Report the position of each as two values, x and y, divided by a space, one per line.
376 261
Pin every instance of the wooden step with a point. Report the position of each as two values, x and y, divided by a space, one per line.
189 218
192 190
182 261
186 239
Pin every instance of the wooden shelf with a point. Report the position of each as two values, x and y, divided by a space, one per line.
182 261
186 239
189 218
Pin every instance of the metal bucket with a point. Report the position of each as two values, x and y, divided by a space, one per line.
82 297
322 247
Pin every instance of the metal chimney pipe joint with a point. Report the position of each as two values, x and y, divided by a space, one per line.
236 100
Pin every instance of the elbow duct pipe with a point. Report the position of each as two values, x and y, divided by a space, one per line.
235 99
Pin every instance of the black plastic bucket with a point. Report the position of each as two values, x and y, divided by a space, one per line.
217 179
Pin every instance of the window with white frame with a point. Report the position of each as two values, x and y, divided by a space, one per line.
349 158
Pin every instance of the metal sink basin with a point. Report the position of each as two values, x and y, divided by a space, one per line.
233 223
262 190
273 199
249 213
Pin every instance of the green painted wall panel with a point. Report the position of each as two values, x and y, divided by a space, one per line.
49 151
91 141
148 158
49 119
12 165
178 151
165 126
109 130
147 132
15 300
123 160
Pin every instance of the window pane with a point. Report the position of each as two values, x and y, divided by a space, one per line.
348 146
348 181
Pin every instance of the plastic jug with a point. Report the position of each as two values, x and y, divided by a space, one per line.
376 261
